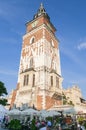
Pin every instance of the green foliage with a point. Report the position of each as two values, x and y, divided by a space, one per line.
66 100
14 125
3 92
33 127
85 124
3 102
49 118
3 89
80 119
70 103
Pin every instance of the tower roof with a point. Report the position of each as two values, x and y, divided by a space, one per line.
41 11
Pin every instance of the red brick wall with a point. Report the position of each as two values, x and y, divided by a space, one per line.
49 102
14 96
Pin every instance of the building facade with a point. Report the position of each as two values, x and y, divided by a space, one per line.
73 94
39 78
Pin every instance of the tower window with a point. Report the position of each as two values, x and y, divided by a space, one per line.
57 82
33 80
51 80
52 43
26 80
31 62
32 40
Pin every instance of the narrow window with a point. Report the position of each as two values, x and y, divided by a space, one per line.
32 40
33 80
51 80
27 79
57 82
31 62
24 80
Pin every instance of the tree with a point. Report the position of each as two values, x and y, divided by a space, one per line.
3 92
66 100
70 103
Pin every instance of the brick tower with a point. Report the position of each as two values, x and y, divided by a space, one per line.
39 78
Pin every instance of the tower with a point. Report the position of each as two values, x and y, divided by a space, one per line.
39 78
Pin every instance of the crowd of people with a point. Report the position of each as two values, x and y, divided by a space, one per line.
49 123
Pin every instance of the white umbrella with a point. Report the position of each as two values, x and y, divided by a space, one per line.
42 112
3 111
70 111
50 113
14 112
29 111
53 113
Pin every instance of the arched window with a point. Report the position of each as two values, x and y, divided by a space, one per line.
32 40
52 43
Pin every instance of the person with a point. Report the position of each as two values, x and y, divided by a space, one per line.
38 124
43 127
78 126
82 127
49 124
59 127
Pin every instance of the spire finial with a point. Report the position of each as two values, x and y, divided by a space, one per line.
41 6
41 11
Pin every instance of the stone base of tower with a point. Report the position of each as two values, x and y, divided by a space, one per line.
49 102
38 101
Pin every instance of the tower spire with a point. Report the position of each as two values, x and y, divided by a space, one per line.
41 11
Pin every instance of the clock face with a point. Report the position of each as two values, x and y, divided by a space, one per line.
34 23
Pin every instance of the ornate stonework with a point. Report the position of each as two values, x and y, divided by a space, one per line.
39 71
39 78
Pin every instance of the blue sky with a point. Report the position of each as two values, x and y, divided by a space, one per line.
69 18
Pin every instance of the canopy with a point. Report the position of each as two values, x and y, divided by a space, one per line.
53 113
49 113
70 111
29 111
42 111
14 112
3 111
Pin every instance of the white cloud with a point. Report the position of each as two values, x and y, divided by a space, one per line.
81 46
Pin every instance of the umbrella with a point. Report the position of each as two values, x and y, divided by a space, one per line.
29 111
3 111
53 113
42 111
70 111
14 112
50 113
